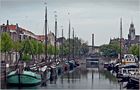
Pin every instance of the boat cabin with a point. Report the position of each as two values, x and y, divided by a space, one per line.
128 59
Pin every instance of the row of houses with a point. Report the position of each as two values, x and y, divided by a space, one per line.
19 33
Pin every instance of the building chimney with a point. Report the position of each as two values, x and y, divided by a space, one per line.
92 41
7 22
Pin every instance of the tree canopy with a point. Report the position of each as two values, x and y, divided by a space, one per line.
110 50
135 50
6 42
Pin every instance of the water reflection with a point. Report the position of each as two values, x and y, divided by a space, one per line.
82 78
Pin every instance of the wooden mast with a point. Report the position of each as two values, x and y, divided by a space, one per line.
55 35
121 40
46 39
73 44
69 40
62 45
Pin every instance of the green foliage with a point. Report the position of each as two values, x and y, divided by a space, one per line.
34 46
84 48
26 57
6 42
17 46
51 50
27 46
110 50
66 51
40 48
80 48
134 50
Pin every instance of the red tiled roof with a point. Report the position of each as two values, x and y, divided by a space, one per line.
12 27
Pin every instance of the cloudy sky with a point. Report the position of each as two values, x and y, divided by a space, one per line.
101 17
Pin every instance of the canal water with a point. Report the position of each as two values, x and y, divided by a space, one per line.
83 78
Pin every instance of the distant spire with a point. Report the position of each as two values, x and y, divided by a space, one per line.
132 24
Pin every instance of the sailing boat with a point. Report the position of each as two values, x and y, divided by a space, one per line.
22 77
70 62
28 78
53 68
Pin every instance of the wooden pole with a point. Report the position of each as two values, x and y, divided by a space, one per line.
73 43
46 39
55 36
62 45
121 40
69 41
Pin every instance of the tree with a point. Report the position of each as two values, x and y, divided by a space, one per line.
66 51
135 50
110 50
17 47
26 50
40 49
6 43
34 48
84 48
50 49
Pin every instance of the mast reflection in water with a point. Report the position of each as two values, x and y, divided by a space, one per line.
82 78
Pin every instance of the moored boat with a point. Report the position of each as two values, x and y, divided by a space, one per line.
46 70
125 71
53 71
129 59
26 78
59 69
65 67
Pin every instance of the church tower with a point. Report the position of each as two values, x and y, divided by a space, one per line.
131 35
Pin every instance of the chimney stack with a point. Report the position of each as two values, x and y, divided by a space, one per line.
92 41
7 22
